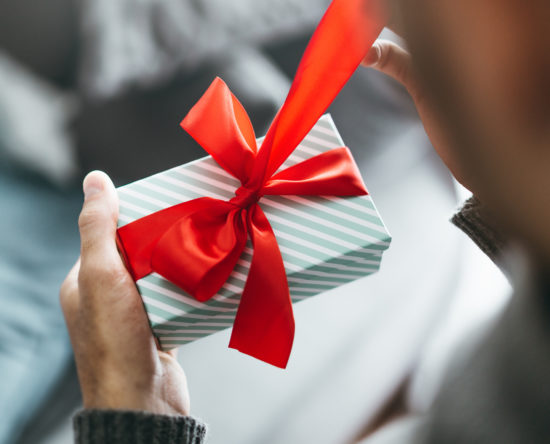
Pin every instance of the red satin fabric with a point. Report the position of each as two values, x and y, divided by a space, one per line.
197 244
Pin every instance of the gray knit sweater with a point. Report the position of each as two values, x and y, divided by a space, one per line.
134 427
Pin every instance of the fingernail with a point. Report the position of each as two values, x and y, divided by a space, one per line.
92 185
372 56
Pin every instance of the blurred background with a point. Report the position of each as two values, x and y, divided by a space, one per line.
98 84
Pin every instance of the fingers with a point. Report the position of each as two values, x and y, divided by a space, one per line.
98 220
391 59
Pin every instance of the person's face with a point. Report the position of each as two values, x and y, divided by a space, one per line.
486 64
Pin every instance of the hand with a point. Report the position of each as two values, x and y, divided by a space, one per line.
118 363
391 59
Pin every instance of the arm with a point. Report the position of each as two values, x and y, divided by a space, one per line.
131 390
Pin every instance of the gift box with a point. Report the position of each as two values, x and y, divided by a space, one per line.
232 240
325 241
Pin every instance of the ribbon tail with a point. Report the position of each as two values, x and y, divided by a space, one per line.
264 325
342 39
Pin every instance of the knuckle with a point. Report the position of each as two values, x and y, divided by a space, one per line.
64 294
68 285
65 287
67 292
396 62
385 56
89 216
97 213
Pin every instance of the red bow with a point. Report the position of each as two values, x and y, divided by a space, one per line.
196 244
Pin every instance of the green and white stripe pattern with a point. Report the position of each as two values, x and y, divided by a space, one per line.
325 241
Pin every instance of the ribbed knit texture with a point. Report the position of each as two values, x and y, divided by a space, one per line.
135 427
472 221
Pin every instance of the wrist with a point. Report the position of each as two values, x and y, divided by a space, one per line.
160 394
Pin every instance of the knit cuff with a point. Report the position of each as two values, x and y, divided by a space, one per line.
135 427
473 220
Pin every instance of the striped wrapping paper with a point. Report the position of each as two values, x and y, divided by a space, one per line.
325 241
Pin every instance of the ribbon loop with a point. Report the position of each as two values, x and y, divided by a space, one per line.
333 173
264 326
233 143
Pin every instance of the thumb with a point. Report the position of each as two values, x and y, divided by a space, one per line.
98 219
391 59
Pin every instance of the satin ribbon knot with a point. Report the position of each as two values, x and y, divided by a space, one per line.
197 244
245 197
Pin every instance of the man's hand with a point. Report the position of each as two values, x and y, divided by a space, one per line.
119 365
389 58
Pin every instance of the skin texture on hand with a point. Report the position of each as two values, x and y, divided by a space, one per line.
118 362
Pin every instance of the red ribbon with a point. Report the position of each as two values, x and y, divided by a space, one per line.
196 244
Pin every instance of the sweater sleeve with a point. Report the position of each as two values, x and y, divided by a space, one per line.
135 427
473 219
